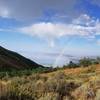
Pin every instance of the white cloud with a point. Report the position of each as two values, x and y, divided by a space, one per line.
83 26
56 30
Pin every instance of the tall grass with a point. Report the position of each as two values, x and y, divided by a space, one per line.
58 85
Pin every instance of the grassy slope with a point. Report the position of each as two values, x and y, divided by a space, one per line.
64 84
88 77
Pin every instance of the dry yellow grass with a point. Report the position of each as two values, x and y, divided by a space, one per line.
76 71
67 84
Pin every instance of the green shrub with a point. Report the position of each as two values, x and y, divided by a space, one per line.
85 62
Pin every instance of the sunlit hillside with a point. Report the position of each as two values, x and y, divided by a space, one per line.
63 84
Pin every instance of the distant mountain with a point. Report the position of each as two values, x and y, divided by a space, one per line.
10 60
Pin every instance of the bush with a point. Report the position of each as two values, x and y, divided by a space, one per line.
85 62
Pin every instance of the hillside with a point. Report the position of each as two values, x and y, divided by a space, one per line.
65 84
11 60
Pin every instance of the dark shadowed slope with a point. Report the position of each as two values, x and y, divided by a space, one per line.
12 60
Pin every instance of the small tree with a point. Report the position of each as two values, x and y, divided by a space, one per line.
85 62
98 60
72 65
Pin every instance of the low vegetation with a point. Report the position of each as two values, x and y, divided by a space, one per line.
79 82
84 62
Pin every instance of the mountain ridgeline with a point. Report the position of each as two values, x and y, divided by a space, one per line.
10 60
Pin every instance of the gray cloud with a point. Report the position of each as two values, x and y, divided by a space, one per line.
33 9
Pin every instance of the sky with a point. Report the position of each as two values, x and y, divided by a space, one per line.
47 31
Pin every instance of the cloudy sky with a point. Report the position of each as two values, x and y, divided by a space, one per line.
42 28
